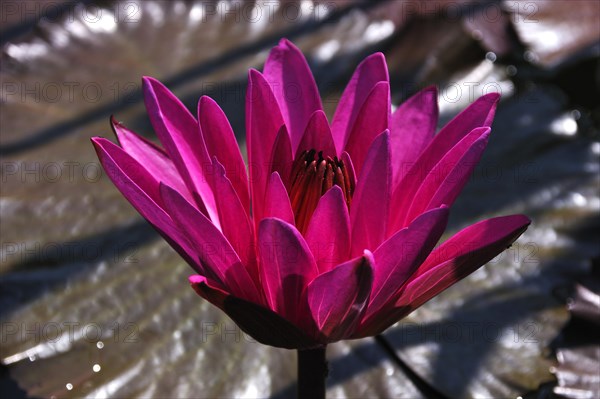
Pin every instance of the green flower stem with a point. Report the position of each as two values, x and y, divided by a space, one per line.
312 372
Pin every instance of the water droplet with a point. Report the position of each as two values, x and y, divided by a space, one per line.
32 358
564 125
99 344
511 70
490 56
69 386
96 368
530 56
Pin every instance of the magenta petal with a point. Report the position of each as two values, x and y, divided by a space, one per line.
464 253
421 175
412 127
370 203
372 119
236 225
338 298
328 233
221 143
458 257
489 233
399 256
141 190
263 122
370 72
281 156
214 252
445 181
277 201
294 87
179 133
287 266
317 136
154 159
479 114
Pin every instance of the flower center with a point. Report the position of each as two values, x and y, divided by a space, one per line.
312 176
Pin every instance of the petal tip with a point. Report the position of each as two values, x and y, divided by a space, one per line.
493 97
196 279
149 81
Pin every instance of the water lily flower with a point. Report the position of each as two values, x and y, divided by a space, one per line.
331 234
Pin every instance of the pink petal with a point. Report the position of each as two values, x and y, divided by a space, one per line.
372 119
317 136
445 181
294 87
221 143
277 201
328 233
399 256
492 233
236 225
451 262
338 298
154 159
466 252
286 267
141 190
370 203
281 156
180 134
412 127
263 122
221 263
370 72
477 115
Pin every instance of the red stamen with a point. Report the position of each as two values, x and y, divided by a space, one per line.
312 176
